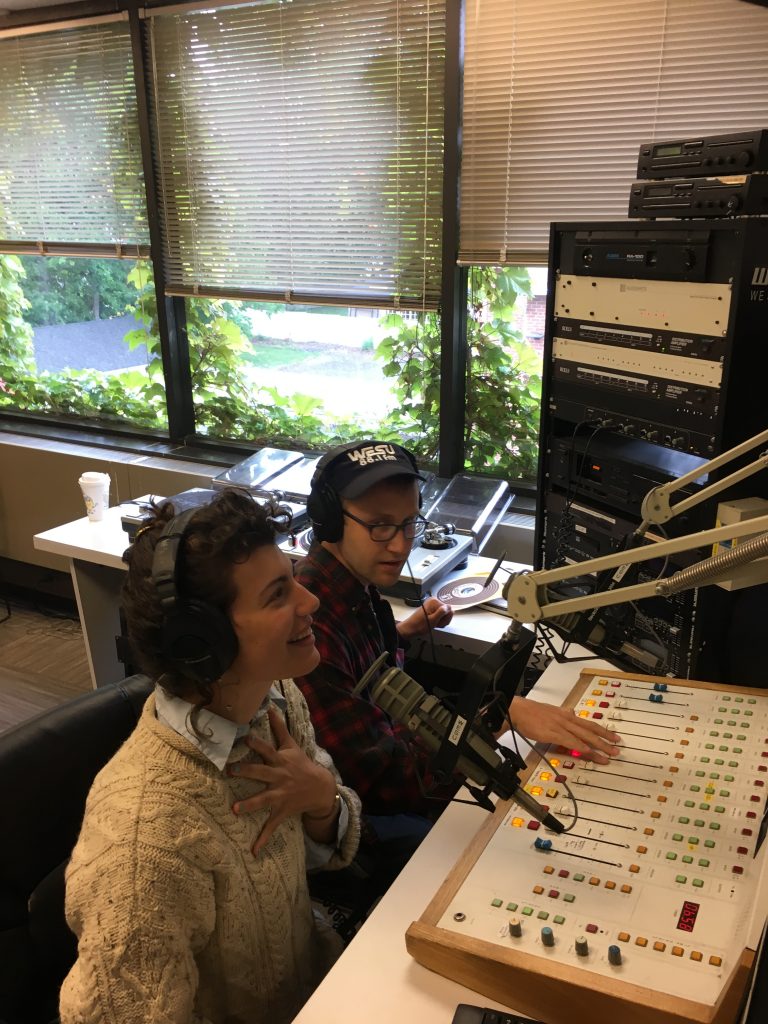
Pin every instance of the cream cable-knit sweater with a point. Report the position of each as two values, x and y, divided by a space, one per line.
176 920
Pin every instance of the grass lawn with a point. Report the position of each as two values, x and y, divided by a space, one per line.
275 353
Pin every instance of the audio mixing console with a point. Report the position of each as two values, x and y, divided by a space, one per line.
649 907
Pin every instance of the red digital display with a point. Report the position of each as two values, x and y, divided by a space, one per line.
688 915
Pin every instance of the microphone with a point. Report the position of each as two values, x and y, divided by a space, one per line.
478 758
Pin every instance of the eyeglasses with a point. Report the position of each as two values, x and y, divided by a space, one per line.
382 532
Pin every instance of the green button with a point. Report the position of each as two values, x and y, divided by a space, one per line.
727 778
738 750
678 837
683 821
719 809
718 721
748 714
714 825
704 760
703 807
724 749
511 906
710 843
733 764
714 732
695 789
709 746
495 903
558 919
714 775
690 803
733 723
727 735
680 878
578 878
719 760
724 699
710 790
739 700
671 855
698 882
741 737
752 700
527 911
700 774
703 862
687 859
569 897
693 840
699 823
543 915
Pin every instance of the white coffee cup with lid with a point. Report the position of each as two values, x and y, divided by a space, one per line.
95 488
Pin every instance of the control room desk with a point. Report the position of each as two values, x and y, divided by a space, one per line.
95 551
375 979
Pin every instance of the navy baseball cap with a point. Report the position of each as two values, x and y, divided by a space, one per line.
362 465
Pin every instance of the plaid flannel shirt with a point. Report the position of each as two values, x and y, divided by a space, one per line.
381 759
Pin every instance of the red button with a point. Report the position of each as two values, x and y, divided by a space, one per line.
751 814
742 849
563 873
603 704
755 798
533 825
746 831
560 778
591 928
738 870
554 893
759 782
598 714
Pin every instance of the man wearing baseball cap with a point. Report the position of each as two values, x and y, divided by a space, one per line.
364 509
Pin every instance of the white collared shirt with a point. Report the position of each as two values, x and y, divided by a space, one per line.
219 736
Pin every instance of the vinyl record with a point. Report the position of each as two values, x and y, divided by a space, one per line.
467 591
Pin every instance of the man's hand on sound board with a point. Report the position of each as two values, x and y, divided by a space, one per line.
547 723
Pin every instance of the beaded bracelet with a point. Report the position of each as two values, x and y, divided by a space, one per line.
333 810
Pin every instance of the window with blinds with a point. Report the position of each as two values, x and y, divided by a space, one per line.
70 162
558 97
299 150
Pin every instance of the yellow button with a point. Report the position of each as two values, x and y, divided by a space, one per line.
517 822
545 776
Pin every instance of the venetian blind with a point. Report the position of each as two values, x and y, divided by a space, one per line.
299 150
70 162
559 95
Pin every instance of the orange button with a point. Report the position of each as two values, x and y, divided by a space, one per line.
695 955
684 743
716 961
668 783
538 889
642 849
594 880
677 951
634 868
640 941
610 885
661 798
649 831
659 946
673 768
626 888
655 814
679 756
623 936
548 870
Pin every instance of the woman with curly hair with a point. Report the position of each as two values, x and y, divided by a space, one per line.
185 910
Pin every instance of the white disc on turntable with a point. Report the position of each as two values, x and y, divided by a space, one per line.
467 591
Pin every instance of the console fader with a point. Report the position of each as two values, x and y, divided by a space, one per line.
649 907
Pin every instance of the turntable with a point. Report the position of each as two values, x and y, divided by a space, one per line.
434 555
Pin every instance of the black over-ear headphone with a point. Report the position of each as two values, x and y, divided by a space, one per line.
324 504
197 638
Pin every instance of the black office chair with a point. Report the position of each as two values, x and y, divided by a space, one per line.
47 766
